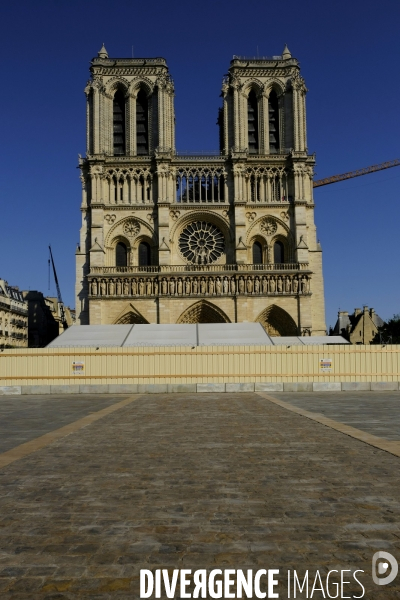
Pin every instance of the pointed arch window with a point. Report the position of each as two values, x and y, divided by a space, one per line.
279 253
257 253
273 120
252 122
121 255
119 122
142 124
144 254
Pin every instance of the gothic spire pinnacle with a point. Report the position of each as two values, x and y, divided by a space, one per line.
286 53
102 52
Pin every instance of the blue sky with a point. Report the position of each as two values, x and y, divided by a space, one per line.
349 54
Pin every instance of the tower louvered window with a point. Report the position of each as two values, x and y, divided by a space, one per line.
119 122
273 118
252 122
121 255
144 254
257 253
142 124
279 253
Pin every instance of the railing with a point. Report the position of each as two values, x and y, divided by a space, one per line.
277 57
199 268
198 153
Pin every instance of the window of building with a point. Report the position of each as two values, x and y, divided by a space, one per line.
121 255
142 124
119 122
273 119
279 253
257 253
252 122
144 254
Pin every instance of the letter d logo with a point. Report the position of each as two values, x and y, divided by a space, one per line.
379 568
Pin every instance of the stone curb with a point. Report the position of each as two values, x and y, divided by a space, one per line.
192 388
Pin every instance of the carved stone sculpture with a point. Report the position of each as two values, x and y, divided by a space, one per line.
272 285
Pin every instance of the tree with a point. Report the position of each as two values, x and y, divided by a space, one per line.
389 332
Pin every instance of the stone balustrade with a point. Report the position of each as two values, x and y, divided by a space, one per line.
189 268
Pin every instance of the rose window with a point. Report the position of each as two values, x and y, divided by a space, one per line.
131 227
201 243
269 226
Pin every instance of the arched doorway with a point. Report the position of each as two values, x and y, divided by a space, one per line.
130 316
203 312
277 322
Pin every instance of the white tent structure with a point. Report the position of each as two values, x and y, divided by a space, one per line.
202 334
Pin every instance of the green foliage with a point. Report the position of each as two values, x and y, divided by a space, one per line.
389 333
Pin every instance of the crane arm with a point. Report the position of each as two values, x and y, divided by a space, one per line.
60 301
358 173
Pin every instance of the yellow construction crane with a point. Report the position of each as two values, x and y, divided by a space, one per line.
358 173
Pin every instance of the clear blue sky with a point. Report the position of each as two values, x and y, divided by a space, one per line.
349 54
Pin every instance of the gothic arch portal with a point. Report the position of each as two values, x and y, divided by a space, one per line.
130 316
203 312
277 322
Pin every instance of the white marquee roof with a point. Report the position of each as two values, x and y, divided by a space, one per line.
202 334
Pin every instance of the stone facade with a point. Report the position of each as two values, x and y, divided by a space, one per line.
360 327
45 319
225 237
13 317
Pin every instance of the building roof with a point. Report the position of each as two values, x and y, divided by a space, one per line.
202 334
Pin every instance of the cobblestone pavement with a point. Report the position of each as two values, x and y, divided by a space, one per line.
195 481
24 418
373 412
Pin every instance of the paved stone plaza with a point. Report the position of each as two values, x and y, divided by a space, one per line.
192 481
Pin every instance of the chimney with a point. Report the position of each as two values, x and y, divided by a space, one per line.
357 311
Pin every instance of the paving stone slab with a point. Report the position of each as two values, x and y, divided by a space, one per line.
123 388
10 390
94 389
268 387
297 387
181 388
210 387
377 386
152 388
351 386
64 389
326 387
35 389
239 387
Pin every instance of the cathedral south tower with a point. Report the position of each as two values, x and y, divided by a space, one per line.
225 237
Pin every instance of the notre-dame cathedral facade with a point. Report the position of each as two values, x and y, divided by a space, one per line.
202 238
